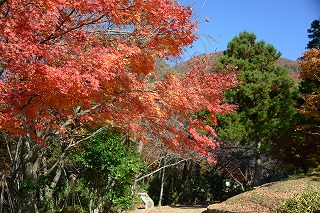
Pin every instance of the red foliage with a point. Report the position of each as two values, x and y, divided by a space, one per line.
57 56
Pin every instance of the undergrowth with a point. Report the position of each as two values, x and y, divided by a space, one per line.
306 202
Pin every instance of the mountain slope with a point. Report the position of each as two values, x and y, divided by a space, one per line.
291 66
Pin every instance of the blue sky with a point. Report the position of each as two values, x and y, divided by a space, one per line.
282 23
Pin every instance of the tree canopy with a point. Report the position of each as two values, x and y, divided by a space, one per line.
68 68
67 63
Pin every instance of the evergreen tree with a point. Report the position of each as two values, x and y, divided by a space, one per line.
314 35
264 95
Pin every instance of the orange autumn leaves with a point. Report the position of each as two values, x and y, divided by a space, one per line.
310 70
76 62
310 64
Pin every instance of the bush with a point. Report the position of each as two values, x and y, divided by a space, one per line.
307 202
108 167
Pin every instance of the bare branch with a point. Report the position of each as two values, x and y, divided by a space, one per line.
163 167
51 37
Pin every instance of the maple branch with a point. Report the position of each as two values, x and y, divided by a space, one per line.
112 32
88 23
241 184
67 123
28 102
86 138
64 21
8 8
2 2
51 37
237 147
47 135
163 167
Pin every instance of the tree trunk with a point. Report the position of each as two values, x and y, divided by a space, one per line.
161 189
27 162
2 194
140 146
183 182
49 189
30 164
95 204
257 166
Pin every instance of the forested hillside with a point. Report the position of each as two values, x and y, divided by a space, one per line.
291 66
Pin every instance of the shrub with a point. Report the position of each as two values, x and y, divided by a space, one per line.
307 202
108 168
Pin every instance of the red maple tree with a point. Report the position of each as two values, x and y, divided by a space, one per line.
64 62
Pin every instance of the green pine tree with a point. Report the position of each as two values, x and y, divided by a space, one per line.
264 95
314 35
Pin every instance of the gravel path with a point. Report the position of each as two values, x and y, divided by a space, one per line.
173 209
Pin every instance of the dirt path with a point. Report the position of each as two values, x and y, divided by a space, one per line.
173 209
